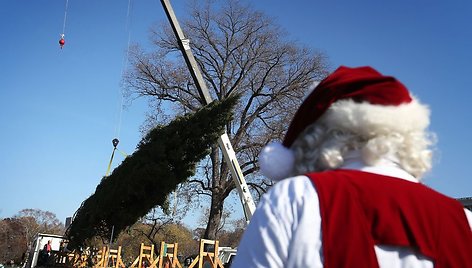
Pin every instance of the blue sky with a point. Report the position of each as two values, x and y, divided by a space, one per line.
59 108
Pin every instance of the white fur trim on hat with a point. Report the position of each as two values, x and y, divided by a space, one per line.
369 119
276 161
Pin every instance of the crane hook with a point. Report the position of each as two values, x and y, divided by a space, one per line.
62 41
115 142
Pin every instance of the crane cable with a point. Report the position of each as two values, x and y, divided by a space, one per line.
65 18
124 66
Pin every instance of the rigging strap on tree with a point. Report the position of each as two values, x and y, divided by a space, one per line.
109 164
115 142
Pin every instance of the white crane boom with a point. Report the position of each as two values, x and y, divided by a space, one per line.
223 141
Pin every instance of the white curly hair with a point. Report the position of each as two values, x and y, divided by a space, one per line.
374 130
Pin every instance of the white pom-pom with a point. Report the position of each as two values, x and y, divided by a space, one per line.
276 161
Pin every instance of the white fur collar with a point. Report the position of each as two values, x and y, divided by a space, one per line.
387 166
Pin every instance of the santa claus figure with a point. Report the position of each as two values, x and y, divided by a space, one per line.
350 191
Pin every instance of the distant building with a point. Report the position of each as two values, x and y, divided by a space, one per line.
466 201
68 222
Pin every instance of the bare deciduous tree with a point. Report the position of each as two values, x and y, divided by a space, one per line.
37 221
239 51
153 231
12 241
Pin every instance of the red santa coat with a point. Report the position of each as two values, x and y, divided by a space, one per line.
384 210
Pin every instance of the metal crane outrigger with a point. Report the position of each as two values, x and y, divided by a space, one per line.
224 142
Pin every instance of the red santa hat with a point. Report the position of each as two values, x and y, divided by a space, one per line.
360 100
